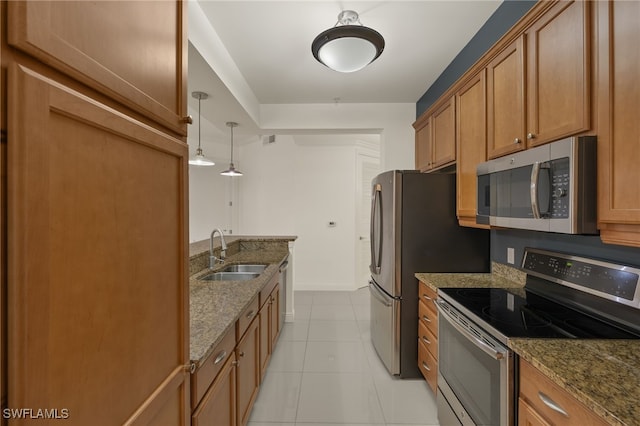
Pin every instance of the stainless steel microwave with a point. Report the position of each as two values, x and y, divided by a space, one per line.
548 188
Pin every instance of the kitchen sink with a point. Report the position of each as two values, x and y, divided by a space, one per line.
229 276
245 268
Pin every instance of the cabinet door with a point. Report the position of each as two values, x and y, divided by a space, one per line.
471 149
618 35
274 323
98 254
248 379
444 134
145 66
423 145
506 108
265 337
218 406
558 52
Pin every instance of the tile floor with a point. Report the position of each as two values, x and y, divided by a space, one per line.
325 372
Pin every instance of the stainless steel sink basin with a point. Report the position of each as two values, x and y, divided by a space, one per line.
229 276
245 268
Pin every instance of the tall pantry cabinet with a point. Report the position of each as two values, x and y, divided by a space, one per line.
94 209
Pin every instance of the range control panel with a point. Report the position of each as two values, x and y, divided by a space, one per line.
604 279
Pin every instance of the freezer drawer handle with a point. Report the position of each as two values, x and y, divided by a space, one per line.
376 293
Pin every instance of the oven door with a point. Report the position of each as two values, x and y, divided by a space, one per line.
475 371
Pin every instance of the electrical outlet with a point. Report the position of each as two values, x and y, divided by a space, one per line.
511 255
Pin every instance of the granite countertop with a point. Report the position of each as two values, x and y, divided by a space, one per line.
602 374
216 305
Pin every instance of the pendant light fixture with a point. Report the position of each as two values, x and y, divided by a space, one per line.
199 159
347 47
231 171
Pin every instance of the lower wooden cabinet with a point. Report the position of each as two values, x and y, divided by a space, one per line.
218 406
248 371
428 335
542 402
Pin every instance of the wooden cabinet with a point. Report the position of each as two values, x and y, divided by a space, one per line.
428 336
269 321
539 85
618 68
542 402
506 112
558 73
218 407
423 144
471 145
133 52
248 371
436 137
98 301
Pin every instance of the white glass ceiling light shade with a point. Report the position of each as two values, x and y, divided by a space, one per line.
231 171
199 159
347 47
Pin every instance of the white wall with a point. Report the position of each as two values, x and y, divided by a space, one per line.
297 186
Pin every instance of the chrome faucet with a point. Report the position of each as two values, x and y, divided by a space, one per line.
223 253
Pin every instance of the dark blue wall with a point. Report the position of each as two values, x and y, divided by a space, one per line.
505 16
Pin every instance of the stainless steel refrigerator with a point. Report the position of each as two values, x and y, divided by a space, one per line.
413 229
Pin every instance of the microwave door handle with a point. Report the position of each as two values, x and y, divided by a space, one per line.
375 256
535 174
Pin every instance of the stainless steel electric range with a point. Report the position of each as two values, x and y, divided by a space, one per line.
565 296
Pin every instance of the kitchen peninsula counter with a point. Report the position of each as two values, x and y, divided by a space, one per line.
604 375
216 305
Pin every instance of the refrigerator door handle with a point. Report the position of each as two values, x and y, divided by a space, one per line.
378 294
376 239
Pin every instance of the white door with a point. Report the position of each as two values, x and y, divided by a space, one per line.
367 167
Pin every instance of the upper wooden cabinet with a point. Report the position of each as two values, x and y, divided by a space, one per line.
506 108
471 145
134 52
539 85
436 137
558 73
618 95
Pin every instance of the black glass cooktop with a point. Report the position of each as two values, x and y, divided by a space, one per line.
528 315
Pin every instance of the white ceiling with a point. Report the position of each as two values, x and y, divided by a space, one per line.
266 50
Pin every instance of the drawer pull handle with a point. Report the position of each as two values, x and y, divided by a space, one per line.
192 367
552 404
426 297
425 318
426 367
220 357
251 313
427 341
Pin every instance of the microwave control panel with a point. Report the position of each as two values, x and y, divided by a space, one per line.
560 188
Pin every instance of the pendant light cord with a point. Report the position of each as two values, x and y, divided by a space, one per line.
199 119
232 144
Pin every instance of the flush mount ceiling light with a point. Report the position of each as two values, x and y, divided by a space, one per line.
347 47
199 159
231 171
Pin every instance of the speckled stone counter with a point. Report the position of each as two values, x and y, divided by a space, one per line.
602 374
502 277
216 305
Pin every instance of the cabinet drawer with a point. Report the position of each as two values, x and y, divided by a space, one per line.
246 317
427 295
428 366
428 339
207 372
429 316
536 388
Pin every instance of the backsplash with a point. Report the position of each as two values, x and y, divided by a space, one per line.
581 245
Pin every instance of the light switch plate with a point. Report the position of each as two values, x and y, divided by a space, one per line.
511 255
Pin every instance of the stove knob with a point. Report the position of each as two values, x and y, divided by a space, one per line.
561 192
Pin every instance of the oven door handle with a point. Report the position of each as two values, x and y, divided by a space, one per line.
466 333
